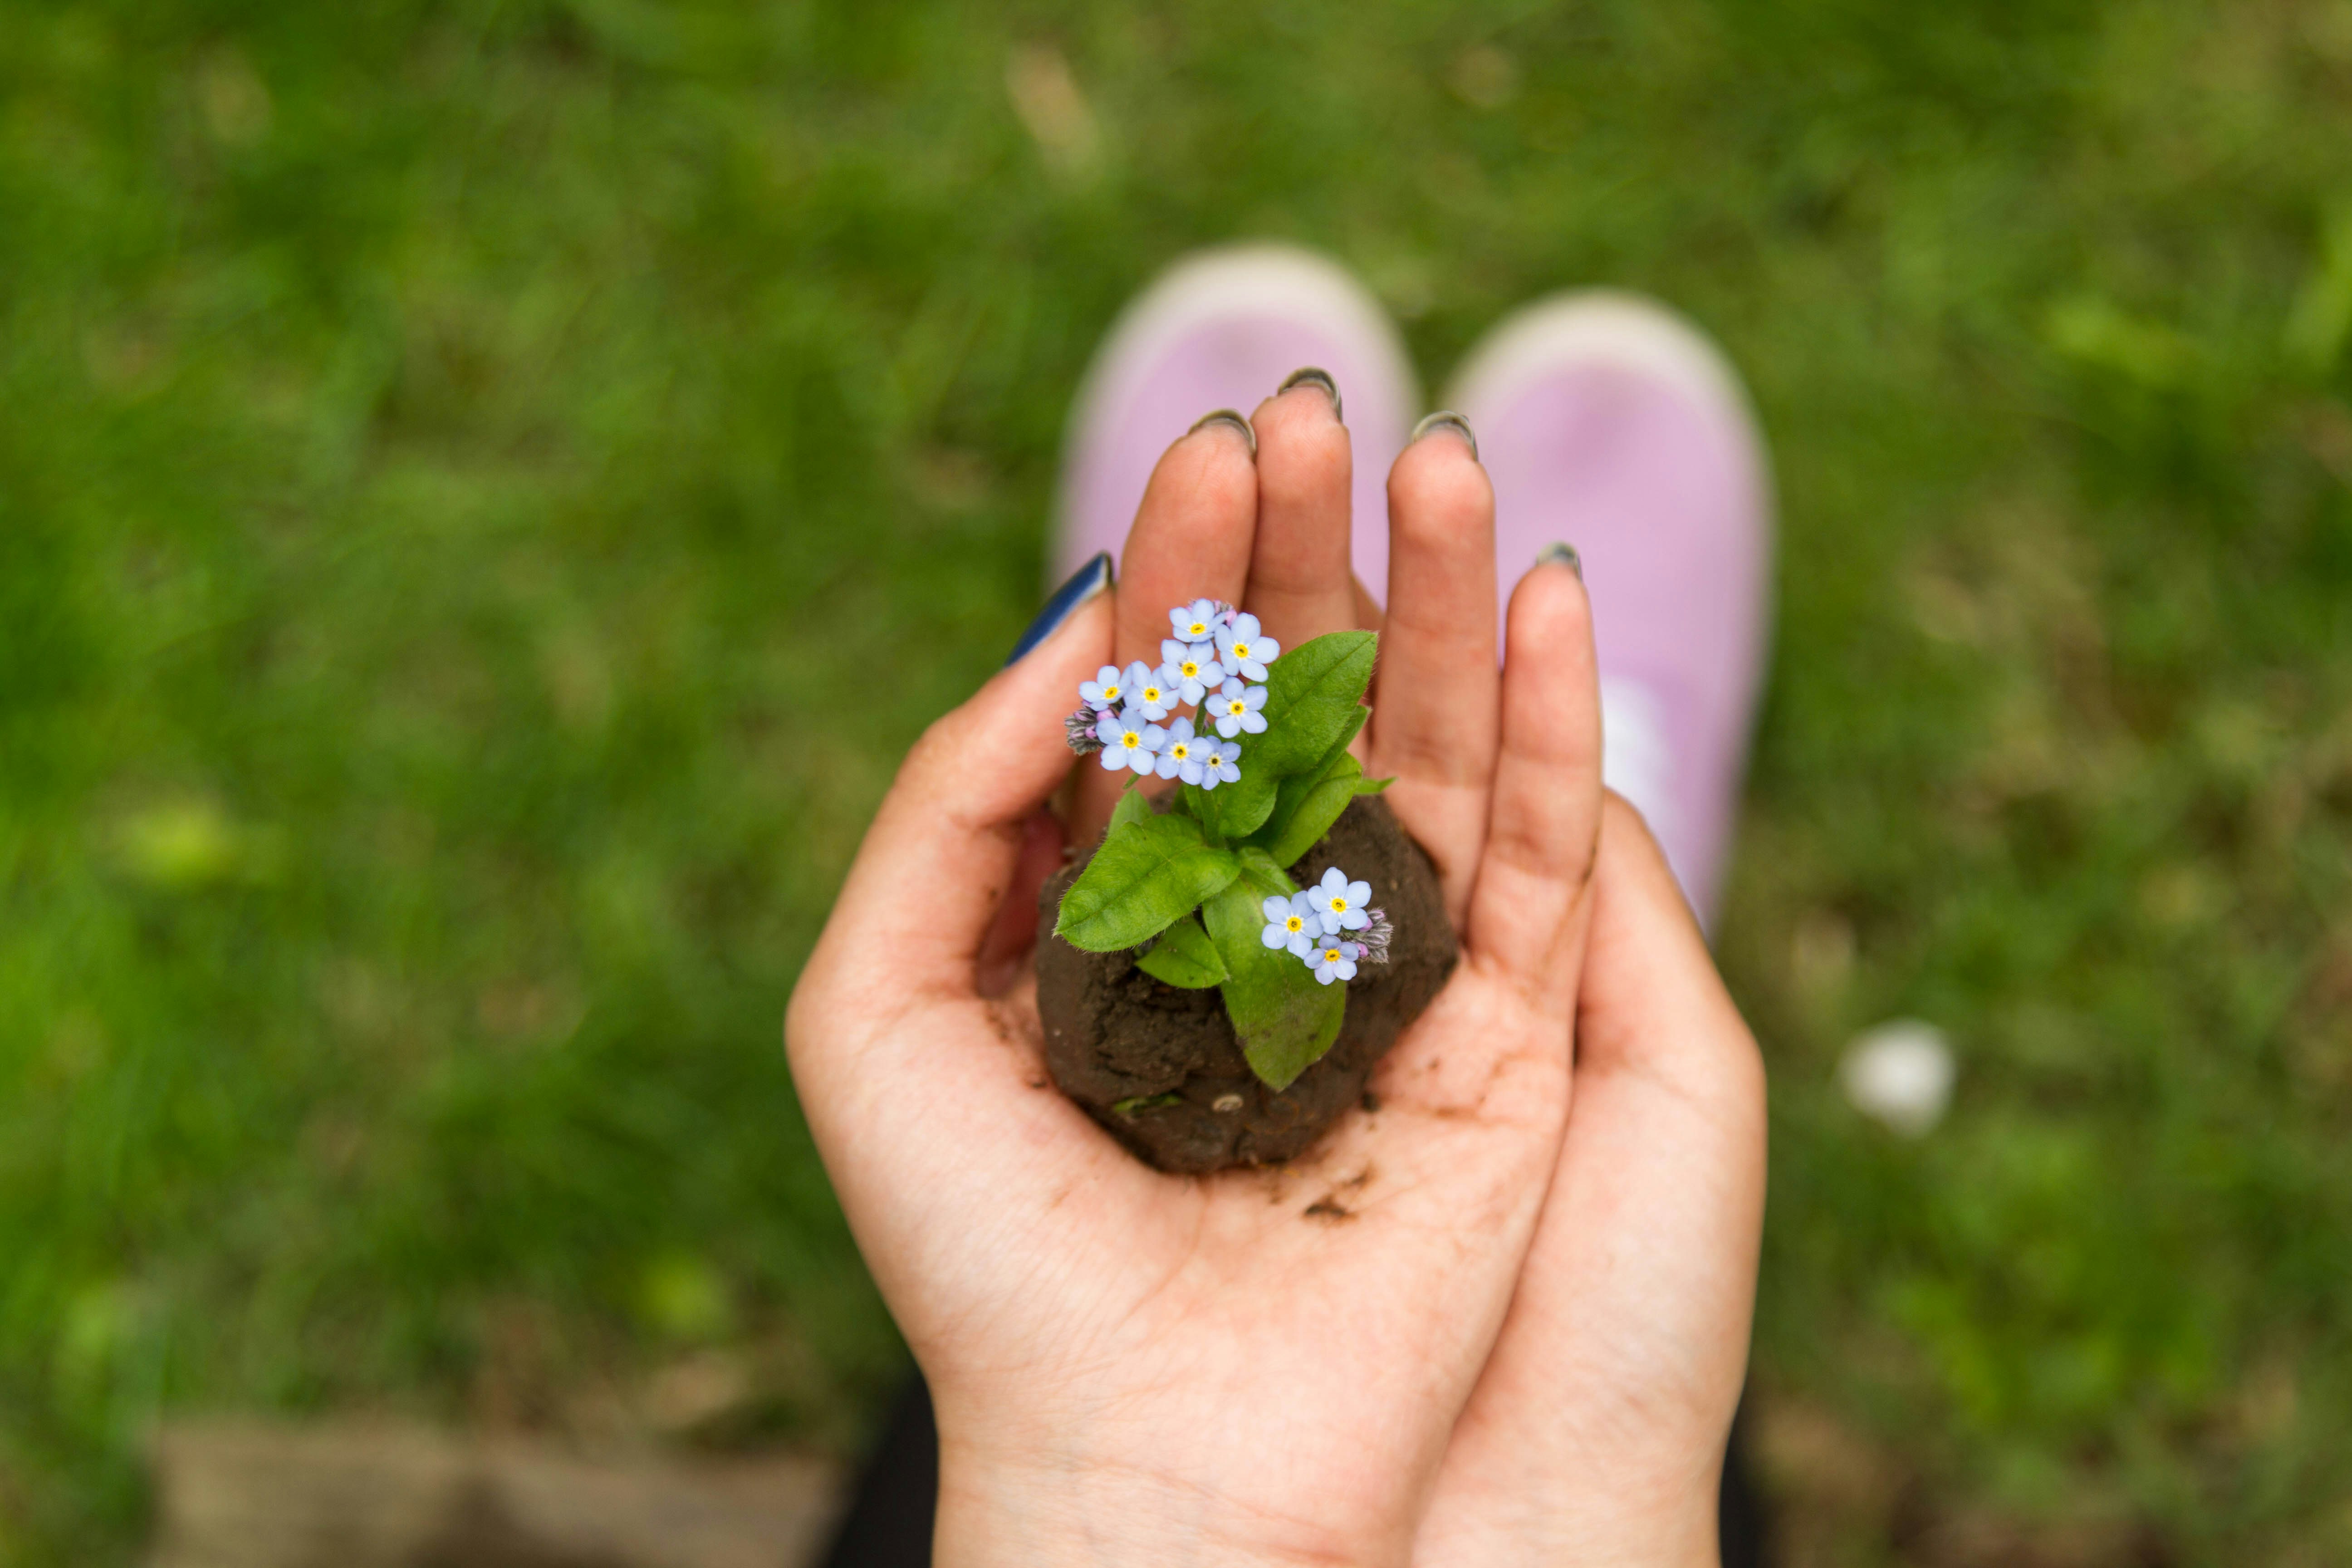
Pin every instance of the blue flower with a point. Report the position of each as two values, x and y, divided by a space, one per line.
1105 691
1333 959
1243 648
1149 691
1199 621
1129 740
1184 756
1191 668
1236 709
1219 763
1290 923
1340 902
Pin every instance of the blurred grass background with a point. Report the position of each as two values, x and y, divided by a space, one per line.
487 489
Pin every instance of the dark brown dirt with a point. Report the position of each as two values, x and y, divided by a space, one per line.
1114 1034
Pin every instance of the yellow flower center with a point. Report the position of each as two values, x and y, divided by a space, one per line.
1191 667
1330 955
1237 707
1338 906
1130 741
1241 650
1180 751
1293 924
1200 628
1110 694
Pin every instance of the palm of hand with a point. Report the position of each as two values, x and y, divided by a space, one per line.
1284 1352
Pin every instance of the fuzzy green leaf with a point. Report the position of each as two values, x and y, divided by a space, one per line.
1286 1020
1200 805
1307 805
1374 787
1260 870
1184 956
1133 806
1147 875
1314 698
1248 805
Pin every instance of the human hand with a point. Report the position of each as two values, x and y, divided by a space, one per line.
1597 1430
1134 1366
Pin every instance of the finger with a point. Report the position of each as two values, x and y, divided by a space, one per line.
1300 582
1618 1369
1369 613
1434 710
1545 819
928 881
1190 540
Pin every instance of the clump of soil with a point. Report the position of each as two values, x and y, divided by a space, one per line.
1114 1035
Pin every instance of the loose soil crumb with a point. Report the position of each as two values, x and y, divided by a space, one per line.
1114 1035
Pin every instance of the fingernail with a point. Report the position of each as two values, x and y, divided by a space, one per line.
1446 419
1310 375
1561 552
1227 416
1085 582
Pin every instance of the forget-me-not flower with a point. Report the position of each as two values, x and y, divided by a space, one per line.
1340 902
1182 754
1219 763
1291 923
1149 691
1236 709
1197 622
1105 691
1191 668
1130 741
1375 937
1244 650
1334 959
1079 730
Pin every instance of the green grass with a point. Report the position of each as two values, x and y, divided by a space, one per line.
487 489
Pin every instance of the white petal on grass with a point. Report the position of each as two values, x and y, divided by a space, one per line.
1900 1074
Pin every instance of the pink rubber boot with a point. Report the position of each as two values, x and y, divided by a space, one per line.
1223 328
1610 423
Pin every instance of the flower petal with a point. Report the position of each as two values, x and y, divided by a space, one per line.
1272 936
1359 893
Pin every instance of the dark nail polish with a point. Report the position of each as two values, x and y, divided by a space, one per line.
1561 553
1446 419
1311 376
1227 416
1086 581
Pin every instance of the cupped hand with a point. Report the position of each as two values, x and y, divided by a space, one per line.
1255 1366
1596 1431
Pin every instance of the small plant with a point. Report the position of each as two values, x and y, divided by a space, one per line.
1203 889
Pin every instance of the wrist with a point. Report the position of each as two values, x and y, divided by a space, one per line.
1055 1508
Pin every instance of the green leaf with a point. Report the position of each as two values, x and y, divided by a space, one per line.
1314 700
1307 805
1147 875
1243 806
1202 805
1127 1107
1250 803
1286 1020
1374 787
1134 806
1260 870
1184 956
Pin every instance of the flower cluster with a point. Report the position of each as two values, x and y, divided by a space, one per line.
1208 663
1329 927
